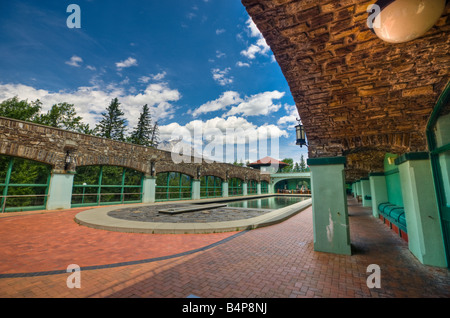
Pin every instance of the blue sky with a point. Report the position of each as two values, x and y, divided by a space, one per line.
194 62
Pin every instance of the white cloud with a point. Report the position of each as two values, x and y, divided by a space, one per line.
144 79
260 47
220 76
220 54
291 118
126 63
75 61
220 31
226 99
159 76
91 101
90 67
254 31
242 64
155 77
259 104
216 138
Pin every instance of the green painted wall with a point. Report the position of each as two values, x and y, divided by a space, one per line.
393 186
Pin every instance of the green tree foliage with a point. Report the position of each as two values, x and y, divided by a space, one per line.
63 116
302 165
112 125
155 135
20 109
290 165
143 133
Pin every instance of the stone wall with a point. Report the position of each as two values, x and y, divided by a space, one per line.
352 90
49 145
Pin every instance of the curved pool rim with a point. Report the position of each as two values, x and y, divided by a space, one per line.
98 218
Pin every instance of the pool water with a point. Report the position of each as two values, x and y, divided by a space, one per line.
276 202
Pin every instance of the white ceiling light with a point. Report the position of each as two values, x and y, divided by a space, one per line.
400 21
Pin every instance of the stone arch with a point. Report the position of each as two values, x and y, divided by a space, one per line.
187 169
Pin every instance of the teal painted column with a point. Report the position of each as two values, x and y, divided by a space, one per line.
258 188
421 211
329 204
379 191
225 189
353 190
148 190
365 192
358 188
244 188
60 190
195 189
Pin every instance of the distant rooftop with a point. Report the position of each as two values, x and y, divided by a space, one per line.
267 161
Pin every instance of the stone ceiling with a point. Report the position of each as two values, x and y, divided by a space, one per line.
354 93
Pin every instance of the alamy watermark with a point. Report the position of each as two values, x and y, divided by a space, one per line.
374 279
372 21
213 144
74 19
74 279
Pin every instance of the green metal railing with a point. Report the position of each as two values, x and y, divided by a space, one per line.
235 187
173 187
210 187
107 194
15 196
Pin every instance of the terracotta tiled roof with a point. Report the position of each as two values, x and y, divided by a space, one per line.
268 161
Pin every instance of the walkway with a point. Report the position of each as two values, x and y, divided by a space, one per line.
275 261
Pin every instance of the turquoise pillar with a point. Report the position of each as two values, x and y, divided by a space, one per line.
365 192
148 190
225 189
421 211
258 188
244 188
329 204
195 194
379 192
60 190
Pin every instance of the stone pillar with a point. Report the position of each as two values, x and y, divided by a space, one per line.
258 188
329 204
244 188
60 190
365 192
225 189
379 192
423 224
149 190
195 189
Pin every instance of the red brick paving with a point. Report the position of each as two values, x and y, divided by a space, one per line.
276 261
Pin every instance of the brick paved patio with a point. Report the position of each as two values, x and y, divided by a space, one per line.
276 261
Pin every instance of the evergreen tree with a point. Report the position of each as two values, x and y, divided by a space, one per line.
143 133
154 141
302 163
112 125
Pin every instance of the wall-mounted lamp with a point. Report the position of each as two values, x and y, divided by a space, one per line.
300 134
152 168
68 161
198 172
398 21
